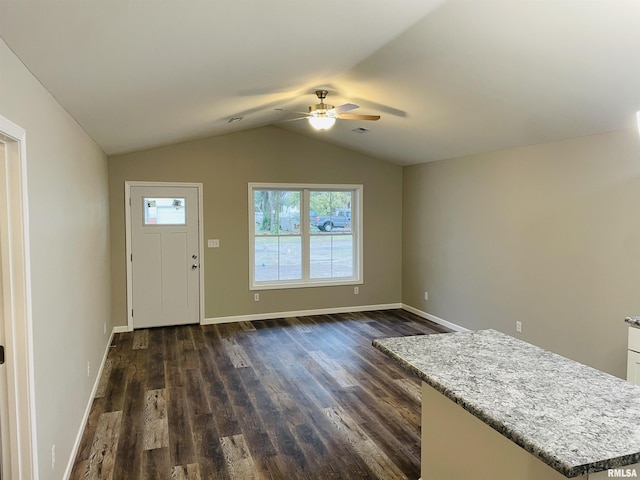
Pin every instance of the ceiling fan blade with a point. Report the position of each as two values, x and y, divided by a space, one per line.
345 108
292 119
306 114
355 116
380 107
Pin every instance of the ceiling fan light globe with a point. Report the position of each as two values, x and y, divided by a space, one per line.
322 122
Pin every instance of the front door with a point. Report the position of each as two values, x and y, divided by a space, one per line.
165 249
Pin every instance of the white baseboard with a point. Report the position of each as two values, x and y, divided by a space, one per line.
85 418
120 329
299 313
434 319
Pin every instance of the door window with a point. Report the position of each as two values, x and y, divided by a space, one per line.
165 211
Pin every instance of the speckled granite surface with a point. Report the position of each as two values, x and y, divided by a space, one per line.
635 321
574 418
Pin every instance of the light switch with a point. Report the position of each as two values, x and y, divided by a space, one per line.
213 243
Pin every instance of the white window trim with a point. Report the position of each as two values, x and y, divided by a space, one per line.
305 188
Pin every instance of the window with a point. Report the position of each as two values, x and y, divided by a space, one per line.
304 235
164 211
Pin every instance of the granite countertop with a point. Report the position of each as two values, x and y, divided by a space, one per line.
635 321
574 418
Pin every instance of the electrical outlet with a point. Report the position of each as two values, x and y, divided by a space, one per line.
356 290
53 456
426 295
519 327
256 297
104 328
88 369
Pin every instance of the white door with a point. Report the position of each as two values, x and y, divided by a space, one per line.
165 252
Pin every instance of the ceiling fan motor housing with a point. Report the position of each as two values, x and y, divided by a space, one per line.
320 109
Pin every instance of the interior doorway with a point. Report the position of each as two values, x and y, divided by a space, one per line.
17 405
5 467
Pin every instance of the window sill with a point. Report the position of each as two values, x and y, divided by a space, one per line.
308 284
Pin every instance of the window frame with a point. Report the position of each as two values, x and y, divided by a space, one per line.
306 281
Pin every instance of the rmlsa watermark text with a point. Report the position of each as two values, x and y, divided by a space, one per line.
622 473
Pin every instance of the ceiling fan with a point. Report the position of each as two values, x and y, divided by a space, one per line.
323 116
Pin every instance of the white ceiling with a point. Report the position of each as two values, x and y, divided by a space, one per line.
449 78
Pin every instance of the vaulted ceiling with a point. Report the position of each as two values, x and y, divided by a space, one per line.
448 77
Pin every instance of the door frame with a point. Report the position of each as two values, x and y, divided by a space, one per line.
129 251
16 284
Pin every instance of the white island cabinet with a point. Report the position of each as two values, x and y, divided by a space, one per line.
633 350
495 407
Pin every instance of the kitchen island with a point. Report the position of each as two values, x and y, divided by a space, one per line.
495 407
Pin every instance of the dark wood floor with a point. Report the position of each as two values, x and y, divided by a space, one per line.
295 398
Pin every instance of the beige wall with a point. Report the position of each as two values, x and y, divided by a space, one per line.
225 165
69 224
548 235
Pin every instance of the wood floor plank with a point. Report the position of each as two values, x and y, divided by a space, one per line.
236 353
238 457
286 398
155 367
104 378
115 392
187 472
141 339
155 465
181 448
105 444
197 397
156 426
170 344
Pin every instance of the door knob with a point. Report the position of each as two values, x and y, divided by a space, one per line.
194 266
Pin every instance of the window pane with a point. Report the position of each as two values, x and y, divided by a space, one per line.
278 258
165 211
342 256
330 212
290 258
276 212
320 257
331 256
